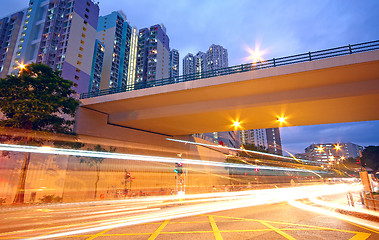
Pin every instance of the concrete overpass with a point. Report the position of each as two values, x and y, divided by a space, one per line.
331 90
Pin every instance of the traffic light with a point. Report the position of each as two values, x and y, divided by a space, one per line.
178 169
257 169
128 175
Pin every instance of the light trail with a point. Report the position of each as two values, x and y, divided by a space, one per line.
319 210
205 203
86 153
241 150
344 207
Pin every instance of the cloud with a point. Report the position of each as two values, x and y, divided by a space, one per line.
296 139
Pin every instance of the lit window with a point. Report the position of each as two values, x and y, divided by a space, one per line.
81 41
79 63
81 49
80 55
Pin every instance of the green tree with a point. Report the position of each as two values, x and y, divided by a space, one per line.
252 147
96 163
37 99
370 158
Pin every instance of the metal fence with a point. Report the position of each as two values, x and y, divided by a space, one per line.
275 62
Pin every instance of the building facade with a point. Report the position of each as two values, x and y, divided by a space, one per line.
115 34
216 58
97 67
174 63
200 63
274 142
268 138
331 152
153 54
9 30
188 64
60 34
132 58
254 136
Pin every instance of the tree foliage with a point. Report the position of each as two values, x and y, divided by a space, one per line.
370 158
252 147
38 99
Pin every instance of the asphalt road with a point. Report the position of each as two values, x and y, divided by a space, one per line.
176 220
276 221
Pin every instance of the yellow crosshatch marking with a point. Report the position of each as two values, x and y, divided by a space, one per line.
267 226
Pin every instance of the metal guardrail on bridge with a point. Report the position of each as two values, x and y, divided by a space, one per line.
275 62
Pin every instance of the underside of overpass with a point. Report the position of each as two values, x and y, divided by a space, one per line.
333 90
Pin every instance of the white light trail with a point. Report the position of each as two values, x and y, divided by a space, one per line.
240 150
319 210
241 199
85 153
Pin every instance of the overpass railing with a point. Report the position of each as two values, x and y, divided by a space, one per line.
275 62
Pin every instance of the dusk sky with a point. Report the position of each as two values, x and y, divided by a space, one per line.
279 27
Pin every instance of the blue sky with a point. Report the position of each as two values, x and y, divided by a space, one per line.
280 27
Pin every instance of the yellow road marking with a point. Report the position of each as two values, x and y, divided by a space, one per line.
156 233
216 232
293 224
99 234
361 236
277 230
363 227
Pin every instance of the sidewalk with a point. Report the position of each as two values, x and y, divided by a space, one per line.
340 204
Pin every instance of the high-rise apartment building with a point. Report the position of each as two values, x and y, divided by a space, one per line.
174 63
194 63
332 151
60 34
216 58
254 136
9 30
97 67
200 62
115 33
188 64
274 142
133 57
268 138
153 54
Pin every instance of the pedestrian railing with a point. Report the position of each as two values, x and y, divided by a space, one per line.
275 62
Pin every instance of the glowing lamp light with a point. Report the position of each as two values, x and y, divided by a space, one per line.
320 149
337 147
256 55
281 119
237 124
21 66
